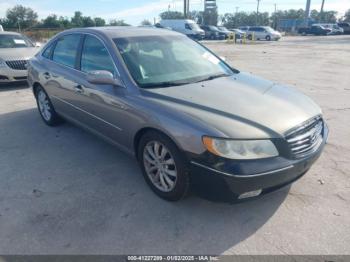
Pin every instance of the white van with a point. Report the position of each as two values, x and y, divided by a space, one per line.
185 26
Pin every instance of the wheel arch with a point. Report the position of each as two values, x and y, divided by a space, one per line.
144 130
36 85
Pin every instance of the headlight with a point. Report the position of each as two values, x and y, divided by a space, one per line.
2 63
240 149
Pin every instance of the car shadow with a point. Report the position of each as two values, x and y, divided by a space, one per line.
13 86
69 192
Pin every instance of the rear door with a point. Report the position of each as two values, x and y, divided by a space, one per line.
60 76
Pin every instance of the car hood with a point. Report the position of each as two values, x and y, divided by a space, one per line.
240 106
18 53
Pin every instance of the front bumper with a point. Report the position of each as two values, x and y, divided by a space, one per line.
8 75
231 179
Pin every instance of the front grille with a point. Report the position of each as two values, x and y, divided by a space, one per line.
306 139
17 64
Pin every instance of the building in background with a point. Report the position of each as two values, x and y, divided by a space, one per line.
210 5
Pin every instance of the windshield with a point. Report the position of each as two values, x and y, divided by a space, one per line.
269 29
14 41
222 28
194 26
213 28
160 61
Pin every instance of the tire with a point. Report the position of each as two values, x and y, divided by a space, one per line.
250 37
268 38
168 176
46 109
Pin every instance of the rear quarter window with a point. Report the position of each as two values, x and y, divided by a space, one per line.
66 50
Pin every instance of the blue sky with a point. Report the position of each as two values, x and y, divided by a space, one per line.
134 11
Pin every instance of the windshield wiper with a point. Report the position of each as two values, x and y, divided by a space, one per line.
164 84
212 77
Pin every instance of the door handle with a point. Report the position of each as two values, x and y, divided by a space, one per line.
79 89
47 75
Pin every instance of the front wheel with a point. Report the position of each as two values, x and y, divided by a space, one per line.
268 38
163 166
46 109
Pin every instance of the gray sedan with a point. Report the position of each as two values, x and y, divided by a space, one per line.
186 115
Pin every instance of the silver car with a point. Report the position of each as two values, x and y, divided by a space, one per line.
187 116
15 51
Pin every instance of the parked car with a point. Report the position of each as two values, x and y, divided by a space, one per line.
239 33
244 28
213 33
335 29
345 26
15 51
186 115
184 26
227 32
314 30
262 33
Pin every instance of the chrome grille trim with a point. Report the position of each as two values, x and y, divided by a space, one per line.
306 139
17 64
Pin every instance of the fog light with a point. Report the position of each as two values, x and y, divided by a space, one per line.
250 194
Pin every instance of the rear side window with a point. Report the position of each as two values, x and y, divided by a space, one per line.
48 51
95 56
66 50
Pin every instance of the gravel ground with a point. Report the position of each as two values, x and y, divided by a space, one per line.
64 191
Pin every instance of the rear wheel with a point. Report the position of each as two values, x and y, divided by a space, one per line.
163 166
46 109
250 37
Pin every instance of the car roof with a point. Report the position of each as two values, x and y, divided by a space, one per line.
125 31
9 33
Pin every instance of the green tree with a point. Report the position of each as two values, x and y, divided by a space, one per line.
88 21
245 19
346 17
171 15
77 19
22 17
51 22
118 23
65 22
324 17
99 21
146 22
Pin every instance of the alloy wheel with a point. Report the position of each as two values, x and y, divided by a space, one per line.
160 166
44 105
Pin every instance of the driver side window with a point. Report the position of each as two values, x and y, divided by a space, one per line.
95 56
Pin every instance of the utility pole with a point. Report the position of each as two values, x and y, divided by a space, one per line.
307 12
186 7
275 25
321 12
257 12
237 7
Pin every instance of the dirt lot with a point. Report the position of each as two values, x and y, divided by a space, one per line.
64 191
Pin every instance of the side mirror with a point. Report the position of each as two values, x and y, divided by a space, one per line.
103 77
